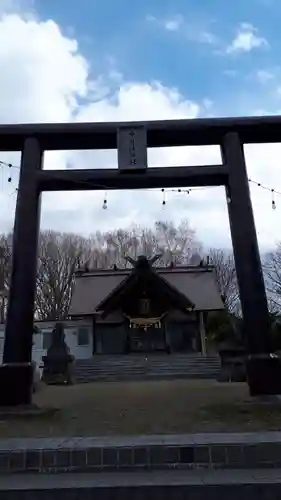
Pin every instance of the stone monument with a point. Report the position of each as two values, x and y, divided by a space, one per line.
58 362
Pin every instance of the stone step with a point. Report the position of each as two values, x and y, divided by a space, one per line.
145 376
211 451
124 364
140 374
150 367
128 361
129 358
144 372
146 368
87 380
168 485
140 370
128 373
135 359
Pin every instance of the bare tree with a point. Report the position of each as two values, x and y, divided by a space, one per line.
272 273
5 273
223 261
109 248
175 243
120 243
59 256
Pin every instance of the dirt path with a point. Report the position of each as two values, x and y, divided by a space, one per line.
145 408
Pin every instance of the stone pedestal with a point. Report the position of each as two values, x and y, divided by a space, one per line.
58 363
16 383
36 377
58 372
264 374
232 358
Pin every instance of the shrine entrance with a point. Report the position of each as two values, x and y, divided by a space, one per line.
145 299
131 141
147 340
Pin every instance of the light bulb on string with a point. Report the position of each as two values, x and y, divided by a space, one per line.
164 197
179 190
104 206
274 192
273 204
10 177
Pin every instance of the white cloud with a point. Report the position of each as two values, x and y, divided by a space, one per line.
174 23
26 8
170 24
246 40
203 36
44 78
42 73
190 30
264 76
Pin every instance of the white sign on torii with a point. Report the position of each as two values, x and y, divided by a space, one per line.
132 148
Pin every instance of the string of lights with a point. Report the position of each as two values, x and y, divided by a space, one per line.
274 192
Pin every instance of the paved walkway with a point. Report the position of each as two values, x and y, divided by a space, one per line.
198 439
113 479
170 452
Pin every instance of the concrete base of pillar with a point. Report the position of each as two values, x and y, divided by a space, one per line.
16 382
264 374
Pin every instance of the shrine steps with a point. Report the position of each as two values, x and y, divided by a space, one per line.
165 485
133 367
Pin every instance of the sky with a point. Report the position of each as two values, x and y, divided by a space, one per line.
142 60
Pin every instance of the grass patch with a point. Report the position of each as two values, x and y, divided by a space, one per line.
162 407
243 415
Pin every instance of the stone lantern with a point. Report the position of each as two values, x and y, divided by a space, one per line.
58 362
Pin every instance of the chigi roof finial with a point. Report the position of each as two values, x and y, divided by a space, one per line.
142 260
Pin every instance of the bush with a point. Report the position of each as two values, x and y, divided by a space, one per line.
222 326
275 333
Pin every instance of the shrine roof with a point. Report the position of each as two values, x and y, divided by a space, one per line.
197 284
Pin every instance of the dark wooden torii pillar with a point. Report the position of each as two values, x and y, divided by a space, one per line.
16 374
245 248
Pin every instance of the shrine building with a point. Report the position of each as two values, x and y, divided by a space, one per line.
146 308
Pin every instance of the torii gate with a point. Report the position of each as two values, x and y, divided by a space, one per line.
132 141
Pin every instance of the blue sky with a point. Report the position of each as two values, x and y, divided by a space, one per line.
180 43
116 60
